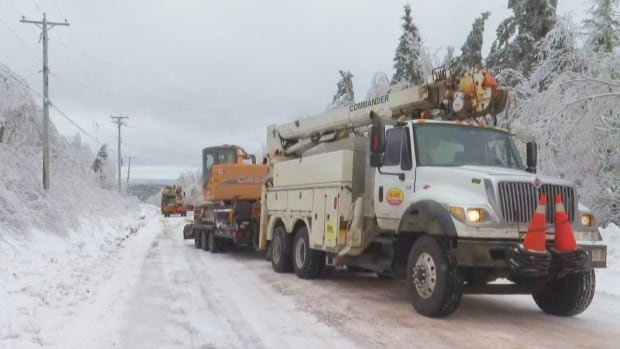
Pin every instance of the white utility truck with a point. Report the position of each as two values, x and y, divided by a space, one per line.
413 184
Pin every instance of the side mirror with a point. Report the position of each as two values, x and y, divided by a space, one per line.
377 143
531 156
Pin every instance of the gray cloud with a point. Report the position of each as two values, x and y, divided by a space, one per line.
195 73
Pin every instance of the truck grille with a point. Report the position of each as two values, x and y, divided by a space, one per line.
518 200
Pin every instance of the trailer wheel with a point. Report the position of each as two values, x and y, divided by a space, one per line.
203 240
435 286
567 296
281 251
213 243
197 239
308 263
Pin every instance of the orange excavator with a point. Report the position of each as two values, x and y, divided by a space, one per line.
229 211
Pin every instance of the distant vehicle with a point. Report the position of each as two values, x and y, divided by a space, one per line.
228 214
173 201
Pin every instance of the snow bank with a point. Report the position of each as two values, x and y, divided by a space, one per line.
608 280
49 239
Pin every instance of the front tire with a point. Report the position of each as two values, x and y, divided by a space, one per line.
281 251
435 286
567 296
308 263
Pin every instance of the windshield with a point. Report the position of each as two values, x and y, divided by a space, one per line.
454 145
216 156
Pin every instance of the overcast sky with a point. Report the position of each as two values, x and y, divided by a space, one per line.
197 73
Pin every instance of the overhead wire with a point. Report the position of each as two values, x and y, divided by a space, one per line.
22 41
37 6
62 113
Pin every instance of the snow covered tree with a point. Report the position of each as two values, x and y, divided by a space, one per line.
517 36
344 96
471 52
575 118
407 61
447 60
603 26
379 86
104 170
192 185
102 156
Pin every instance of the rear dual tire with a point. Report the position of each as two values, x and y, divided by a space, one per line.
281 251
308 263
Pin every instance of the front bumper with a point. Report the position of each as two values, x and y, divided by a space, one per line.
496 254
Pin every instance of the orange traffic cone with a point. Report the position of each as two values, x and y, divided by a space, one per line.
564 236
535 238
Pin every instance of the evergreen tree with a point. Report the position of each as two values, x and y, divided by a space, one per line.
344 95
407 65
100 160
518 35
471 52
603 26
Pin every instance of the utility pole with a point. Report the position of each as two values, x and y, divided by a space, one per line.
97 138
44 25
128 170
118 120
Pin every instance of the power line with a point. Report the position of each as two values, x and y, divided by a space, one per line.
54 106
72 122
20 39
37 6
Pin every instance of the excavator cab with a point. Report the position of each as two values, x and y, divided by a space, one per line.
228 171
225 154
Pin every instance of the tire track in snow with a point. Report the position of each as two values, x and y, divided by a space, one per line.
188 298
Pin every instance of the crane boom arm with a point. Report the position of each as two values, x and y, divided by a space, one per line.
473 94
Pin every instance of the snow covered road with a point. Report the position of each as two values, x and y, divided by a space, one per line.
158 291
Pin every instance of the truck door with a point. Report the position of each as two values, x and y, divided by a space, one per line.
394 181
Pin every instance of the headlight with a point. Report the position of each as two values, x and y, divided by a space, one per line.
587 220
472 215
475 215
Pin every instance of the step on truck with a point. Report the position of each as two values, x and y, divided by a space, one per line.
421 184
228 213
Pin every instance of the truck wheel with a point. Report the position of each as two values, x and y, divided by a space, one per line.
307 262
281 251
204 243
212 241
197 239
435 287
567 296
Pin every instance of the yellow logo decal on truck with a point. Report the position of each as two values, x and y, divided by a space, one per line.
330 233
395 196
